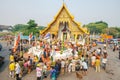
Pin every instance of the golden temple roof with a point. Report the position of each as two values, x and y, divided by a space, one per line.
70 15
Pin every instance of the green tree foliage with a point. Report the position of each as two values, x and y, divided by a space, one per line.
112 31
32 28
96 27
31 24
26 29
19 28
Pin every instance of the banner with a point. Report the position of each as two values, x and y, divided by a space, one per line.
47 36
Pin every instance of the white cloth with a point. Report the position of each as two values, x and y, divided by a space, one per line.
17 68
66 54
35 51
84 64
93 58
62 64
104 60
73 61
38 72
70 67
98 51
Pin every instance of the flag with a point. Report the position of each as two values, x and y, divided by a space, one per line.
47 36
15 43
30 36
17 40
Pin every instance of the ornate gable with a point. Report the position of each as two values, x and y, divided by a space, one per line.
63 16
63 13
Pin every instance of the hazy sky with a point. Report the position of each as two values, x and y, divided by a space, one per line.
43 11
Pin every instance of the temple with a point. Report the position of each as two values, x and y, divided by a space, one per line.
64 26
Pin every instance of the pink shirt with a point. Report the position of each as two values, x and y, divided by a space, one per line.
38 72
25 64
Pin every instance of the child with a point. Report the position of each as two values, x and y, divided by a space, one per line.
39 72
84 67
93 58
70 67
53 74
97 64
104 61
45 70
77 67
12 69
11 57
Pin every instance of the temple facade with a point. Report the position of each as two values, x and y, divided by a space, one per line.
64 27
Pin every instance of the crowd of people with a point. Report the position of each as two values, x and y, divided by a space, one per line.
88 57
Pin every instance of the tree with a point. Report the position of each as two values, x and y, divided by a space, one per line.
96 27
31 24
19 28
31 27
111 31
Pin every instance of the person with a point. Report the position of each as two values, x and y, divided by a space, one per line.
82 58
98 51
62 66
12 69
53 74
10 42
104 46
17 70
39 72
29 64
70 67
35 60
84 67
66 65
25 64
73 51
97 64
73 66
59 66
57 69
114 48
104 61
11 57
105 54
93 58
45 70
87 59
44 53
77 67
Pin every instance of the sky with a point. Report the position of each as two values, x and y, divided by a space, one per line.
43 11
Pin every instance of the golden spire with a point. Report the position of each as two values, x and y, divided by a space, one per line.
63 1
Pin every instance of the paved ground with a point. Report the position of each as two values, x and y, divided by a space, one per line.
112 72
